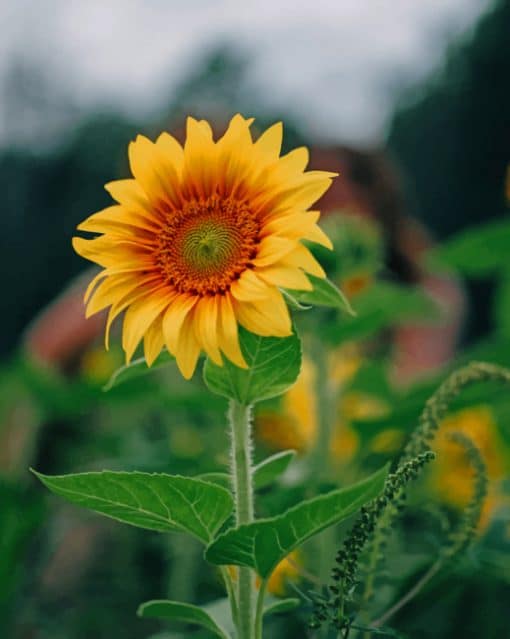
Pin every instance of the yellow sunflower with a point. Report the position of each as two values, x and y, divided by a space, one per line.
201 240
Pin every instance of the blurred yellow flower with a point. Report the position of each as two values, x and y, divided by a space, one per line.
452 477
295 424
286 570
202 239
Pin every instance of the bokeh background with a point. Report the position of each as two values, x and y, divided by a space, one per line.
409 100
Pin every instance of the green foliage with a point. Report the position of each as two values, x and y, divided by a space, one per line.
137 368
265 473
273 366
332 609
175 611
264 543
476 252
164 503
279 606
381 306
324 293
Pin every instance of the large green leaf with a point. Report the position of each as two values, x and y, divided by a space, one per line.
273 366
173 610
324 293
478 251
137 368
264 543
153 501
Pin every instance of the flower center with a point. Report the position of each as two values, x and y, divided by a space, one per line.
207 245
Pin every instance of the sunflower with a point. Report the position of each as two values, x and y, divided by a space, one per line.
202 239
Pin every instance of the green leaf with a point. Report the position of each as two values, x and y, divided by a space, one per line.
162 609
292 302
220 479
324 293
154 501
137 368
263 474
268 470
381 306
279 606
478 251
264 543
274 364
502 305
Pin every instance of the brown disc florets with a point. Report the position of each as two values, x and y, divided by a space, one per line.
206 245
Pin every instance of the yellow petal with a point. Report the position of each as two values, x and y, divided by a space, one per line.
153 341
130 194
206 327
228 332
110 291
249 287
155 172
299 226
268 317
93 283
269 143
188 349
302 258
139 316
285 277
109 251
118 219
272 249
174 318
171 147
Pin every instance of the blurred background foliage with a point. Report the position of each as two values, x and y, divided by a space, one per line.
440 172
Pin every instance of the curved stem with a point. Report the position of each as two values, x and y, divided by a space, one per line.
242 485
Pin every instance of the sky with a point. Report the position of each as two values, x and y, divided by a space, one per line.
338 66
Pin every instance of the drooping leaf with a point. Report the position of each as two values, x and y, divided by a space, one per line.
477 251
154 501
264 543
324 293
173 610
264 473
137 368
268 470
274 364
279 606
292 302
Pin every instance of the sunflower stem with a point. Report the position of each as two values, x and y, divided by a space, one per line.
242 485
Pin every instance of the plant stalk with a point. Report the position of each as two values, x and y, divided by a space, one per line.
242 485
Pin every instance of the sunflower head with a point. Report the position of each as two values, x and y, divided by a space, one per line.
202 239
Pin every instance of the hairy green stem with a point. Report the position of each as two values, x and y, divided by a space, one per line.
241 473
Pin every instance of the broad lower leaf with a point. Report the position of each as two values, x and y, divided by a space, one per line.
221 479
271 468
264 543
137 368
324 293
173 610
274 364
279 606
154 501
